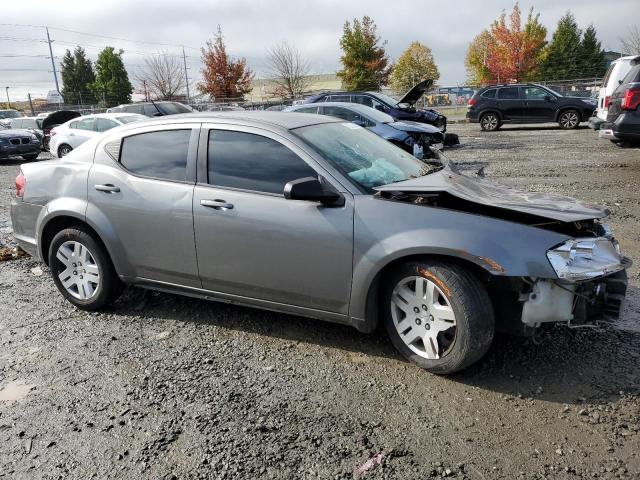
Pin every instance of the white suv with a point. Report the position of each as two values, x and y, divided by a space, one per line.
74 133
612 79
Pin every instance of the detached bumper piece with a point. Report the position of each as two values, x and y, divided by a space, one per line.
576 304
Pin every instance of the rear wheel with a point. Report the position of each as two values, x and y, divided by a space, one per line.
569 119
490 122
438 315
63 150
82 270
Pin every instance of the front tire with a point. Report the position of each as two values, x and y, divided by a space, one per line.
569 119
438 315
63 150
489 122
82 270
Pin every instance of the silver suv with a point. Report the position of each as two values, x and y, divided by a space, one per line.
314 216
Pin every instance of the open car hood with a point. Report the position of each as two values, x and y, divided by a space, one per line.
485 192
413 95
59 117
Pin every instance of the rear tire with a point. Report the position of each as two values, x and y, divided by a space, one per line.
82 270
438 315
569 119
63 150
490 122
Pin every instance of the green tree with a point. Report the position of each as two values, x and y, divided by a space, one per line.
414 65
478 72
364 60
77 77
592 60
563 53
112 85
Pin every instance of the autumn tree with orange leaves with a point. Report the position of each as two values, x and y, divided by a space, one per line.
223 77
510 52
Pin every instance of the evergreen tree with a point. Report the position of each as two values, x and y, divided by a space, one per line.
112 85
364 61
414 65
592 61
77 76
562 56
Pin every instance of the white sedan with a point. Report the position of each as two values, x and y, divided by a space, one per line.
74 133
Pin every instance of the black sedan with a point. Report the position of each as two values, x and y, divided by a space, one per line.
413 137
21 143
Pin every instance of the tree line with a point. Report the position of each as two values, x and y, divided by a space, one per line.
506 51
510 51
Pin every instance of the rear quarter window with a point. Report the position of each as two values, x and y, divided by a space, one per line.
633 76
161 154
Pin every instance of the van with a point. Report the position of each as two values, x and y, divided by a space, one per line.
612 79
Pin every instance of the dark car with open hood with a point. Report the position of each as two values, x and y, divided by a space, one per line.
403 109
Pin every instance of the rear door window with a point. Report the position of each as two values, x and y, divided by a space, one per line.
85 124
508 93
252 162
104 124
362 99
161 154
491 93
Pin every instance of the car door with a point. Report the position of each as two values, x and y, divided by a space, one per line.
142 187
510 103
539 104
81 131
251 241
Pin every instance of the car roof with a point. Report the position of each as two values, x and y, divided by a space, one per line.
285 120
109 115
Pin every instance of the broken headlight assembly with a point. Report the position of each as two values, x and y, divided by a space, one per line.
582 259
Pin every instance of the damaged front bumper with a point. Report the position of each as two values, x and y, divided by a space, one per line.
591 284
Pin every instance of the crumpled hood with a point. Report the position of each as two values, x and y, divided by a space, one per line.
414 94
486 192
409 126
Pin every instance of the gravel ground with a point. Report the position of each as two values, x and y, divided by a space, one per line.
161 386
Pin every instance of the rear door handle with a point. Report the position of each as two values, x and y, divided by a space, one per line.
217 204
107 188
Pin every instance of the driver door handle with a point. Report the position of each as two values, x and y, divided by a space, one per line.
107 188
217 204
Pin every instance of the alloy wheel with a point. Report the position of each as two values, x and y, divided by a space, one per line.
79 273
423 317
489 122
569 119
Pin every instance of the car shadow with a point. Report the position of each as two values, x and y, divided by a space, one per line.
567 366
531 127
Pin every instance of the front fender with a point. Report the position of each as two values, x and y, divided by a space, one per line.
385 231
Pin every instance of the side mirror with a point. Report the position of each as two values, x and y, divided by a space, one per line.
547 98
380 107
310 188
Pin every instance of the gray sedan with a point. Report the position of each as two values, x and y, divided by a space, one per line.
310 215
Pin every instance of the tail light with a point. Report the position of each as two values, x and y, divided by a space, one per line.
472 101
52 132
631 99
606 101
21 183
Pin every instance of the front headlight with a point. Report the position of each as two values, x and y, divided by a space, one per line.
581 259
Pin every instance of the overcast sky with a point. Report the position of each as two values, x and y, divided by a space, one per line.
250 26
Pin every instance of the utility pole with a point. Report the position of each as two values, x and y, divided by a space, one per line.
8 101
53 63
33 113
186 76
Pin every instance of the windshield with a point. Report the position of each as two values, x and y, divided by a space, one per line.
364 157
132 118
385 98
9 114
173 108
